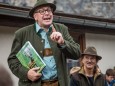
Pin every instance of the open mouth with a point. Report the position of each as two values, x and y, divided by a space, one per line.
47 18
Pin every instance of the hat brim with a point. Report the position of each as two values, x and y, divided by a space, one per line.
47 4
97 56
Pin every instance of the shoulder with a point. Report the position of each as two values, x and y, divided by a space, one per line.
113 82
60 26
24 29
74 74
74 70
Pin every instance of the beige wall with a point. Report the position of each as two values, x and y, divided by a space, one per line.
105 45
6 37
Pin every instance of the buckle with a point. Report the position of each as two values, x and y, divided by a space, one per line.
47 52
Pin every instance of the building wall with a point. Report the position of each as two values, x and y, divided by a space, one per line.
105 45
97 8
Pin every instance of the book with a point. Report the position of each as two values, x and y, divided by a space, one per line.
29 57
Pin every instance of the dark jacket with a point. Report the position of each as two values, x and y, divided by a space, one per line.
112 83
78 78
28 33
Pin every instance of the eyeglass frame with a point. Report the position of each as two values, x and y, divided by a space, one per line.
43 11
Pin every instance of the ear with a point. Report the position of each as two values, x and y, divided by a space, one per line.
35 16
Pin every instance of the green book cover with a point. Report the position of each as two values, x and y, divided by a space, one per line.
29 57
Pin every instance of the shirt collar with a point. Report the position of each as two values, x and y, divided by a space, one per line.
38 28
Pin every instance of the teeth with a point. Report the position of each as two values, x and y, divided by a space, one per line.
47 19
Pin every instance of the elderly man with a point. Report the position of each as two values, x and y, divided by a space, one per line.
52 41
88 74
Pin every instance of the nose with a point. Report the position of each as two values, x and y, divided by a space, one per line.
46 12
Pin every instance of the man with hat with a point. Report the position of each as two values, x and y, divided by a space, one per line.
53 43
89 73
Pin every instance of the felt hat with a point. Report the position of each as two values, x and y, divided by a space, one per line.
41 3
91 51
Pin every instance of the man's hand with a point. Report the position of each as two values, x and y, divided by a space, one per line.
57 37
33 75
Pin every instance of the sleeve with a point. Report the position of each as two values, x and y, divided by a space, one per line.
71 49
14 64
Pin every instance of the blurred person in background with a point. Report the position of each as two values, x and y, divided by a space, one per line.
110 81
5 78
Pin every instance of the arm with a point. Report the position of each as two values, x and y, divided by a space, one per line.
70 49
14 64
23 73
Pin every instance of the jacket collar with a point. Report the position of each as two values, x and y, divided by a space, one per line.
38 28
97 73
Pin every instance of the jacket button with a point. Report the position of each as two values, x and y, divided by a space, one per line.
40 51
42 41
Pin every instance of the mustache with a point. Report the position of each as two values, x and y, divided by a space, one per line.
89 62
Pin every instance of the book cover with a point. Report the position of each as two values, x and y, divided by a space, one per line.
29 57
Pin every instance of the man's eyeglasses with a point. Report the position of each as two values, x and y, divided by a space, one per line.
43 11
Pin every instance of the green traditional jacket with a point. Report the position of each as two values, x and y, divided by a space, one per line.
28 33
